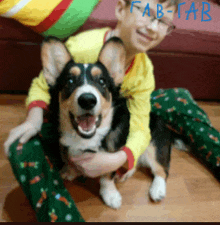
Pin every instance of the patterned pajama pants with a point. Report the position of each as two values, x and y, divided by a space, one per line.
182 115
36 163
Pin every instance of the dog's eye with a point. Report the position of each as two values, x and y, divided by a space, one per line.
102 82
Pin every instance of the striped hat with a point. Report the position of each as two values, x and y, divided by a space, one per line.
60 18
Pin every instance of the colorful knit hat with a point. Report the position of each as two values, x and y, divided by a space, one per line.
60 18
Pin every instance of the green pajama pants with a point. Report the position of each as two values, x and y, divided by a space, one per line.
182 115
36 163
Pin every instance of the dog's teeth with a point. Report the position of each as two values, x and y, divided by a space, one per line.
86 132
80 129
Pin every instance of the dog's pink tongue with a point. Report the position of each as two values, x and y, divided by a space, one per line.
86 122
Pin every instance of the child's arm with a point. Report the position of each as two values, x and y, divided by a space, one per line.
38 99
139 107
38 95
97 164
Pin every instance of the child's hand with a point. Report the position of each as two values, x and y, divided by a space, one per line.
97 164
26 130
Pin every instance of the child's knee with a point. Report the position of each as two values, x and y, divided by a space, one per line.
182 91
20 152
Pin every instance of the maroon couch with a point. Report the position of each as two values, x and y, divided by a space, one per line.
189 57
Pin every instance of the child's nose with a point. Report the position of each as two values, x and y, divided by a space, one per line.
154 25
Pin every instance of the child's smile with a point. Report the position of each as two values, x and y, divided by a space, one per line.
144 35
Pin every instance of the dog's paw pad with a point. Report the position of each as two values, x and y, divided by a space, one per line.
111 198
158 189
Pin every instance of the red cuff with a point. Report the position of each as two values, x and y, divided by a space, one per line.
130 159
121 171
40 104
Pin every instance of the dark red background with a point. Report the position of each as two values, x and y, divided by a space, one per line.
187 58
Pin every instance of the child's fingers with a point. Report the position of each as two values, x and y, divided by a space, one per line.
20 129
6 148
27 136
13 136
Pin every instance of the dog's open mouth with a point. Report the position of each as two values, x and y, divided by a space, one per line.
86 124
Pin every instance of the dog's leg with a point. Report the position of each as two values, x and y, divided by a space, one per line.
109 192
180 145
68 172
160 170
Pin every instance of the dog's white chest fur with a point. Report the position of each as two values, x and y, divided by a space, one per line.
77 144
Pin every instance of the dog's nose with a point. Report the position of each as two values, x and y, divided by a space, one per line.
87 101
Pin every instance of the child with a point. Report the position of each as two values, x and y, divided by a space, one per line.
139 34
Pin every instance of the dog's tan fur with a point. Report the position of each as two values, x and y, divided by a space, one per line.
96 71
75 71
148 158
65 107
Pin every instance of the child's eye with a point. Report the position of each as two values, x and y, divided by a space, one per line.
161 21
102 82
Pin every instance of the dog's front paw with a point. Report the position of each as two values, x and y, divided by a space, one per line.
112 198
158 189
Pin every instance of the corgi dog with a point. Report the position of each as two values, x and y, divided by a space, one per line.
93 116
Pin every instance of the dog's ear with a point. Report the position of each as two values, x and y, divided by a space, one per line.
113 56
54 56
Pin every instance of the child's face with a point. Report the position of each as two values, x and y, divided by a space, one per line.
138 32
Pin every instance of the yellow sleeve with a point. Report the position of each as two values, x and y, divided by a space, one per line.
39 90
139 107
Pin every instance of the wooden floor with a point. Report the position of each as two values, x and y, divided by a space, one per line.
193 194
